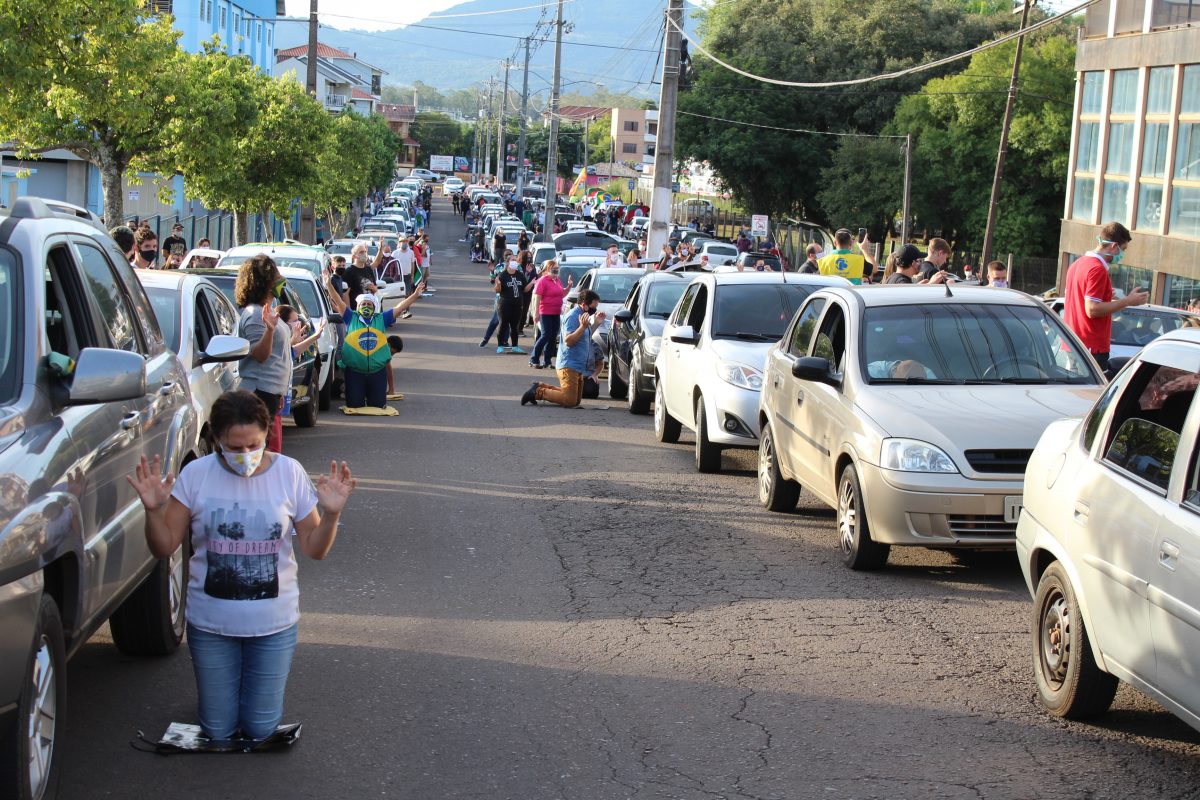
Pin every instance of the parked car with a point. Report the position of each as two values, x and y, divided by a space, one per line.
913 412
719 253
306 386
571 225
573 265
202 258
590 239
87 388
1134 327
748 260
613 284
452 185
425 175
200 325
636 337
708 374
542 252
636 228
285 254
1109 538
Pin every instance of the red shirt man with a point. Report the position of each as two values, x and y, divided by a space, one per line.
1089 292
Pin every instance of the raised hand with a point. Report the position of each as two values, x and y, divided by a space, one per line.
269 316
152 487
334 489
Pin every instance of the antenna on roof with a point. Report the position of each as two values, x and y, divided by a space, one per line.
948 292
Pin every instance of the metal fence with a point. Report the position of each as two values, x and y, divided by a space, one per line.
216 226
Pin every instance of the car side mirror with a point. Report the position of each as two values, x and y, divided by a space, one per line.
334 318
684 334
624 315
1115 364
223 348
107 376
817 370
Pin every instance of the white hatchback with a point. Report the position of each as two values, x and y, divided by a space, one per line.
1109 541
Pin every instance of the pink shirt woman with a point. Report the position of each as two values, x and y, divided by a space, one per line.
550 294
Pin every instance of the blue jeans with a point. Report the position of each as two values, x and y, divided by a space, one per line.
240 681
365 388
546 345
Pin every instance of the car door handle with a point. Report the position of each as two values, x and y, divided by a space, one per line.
1168 555
799 398
130 421
167 388
1082 512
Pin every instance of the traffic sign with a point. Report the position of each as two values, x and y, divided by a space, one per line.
632 184
675 186
758 225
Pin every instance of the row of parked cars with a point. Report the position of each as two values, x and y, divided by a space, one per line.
100 366
962 417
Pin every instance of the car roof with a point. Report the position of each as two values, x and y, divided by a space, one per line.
168 278
896 295
297 250
727 278
619 270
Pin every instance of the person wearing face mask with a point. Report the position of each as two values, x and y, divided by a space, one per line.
548 294
360 277
236 507
267 369
574 350
1089 292
997 272
337 280
511 287
365 355
145 254
811 265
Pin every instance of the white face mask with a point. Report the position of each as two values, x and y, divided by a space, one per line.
1000 283
244 463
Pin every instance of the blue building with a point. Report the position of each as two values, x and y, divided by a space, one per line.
245 27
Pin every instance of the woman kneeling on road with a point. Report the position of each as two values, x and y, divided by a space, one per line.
239 505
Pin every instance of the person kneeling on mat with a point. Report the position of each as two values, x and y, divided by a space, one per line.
365 351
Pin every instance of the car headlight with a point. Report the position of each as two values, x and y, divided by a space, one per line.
740 375
651 345
909 455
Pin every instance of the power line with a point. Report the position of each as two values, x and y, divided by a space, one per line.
791 130
889 75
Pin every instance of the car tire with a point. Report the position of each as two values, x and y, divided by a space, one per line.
29 746
325 398
1070 683
775 492
637 400
859 550
305 415
617 388
708 455
151 620
666 427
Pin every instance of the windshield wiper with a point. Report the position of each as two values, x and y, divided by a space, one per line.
657 315
748 337
1014 380
919 381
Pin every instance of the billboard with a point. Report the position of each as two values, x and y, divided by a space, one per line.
441 163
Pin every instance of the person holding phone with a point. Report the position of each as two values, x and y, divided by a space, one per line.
844 262
1089 293
573 353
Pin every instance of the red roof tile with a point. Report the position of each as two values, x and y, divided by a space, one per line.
359 94
323 51
396 112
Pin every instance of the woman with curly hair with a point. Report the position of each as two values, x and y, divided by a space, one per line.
267 370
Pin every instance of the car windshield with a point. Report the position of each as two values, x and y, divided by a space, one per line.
756 311
569 241
572 271
9 333
614 288
750 259
225 283
722 250
165 303
308 293
1138 328
970 343
662 297
310 264
543 254
626 246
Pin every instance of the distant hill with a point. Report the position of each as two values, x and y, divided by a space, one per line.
454 59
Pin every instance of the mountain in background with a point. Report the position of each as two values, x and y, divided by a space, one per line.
457 59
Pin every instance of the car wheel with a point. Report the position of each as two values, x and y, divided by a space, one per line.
775 492
305 416
859 550
617 388
29 757
708 455
666 427
638 401
325 398
151 620
1069 682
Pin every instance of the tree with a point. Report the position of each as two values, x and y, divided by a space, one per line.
864 184
94 77
955 123
428 97
777 171
438 134
344 168
600 139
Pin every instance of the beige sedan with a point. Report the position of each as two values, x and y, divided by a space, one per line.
913 411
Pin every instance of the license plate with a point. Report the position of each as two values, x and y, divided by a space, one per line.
1012 509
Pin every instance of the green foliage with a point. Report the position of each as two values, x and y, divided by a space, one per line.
956 126
778 172
864 185
600 139
439 134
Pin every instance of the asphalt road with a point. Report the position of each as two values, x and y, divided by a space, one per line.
543 604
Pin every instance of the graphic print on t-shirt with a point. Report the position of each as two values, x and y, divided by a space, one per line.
243 553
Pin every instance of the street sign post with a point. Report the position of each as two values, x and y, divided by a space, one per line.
758 225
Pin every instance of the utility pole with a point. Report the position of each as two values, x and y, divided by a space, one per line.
993 205
524 113
552 158
907 188
500 159
308 217
664 153
487 148
587 129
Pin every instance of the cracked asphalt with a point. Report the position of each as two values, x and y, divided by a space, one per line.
545 604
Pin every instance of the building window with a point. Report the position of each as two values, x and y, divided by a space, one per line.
1093 85
1087 158
1187 153
1180 291
1150 206
1190 102
652 128
1115 205
1158 95
1120 148
1168 13
1124 91
1154 150
1085 191
629 147
631 126
224 17
1131 16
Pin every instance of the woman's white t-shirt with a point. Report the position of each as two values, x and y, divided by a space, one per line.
243 572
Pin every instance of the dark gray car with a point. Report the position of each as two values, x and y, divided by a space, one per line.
87 387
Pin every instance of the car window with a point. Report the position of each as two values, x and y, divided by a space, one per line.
757 312
165 305
67 328
662 297
1148 421
1091 423
613 288
203 324
151 332
685 306
699 310
223 315
10 351
806 326
116 315
308 293
1145 450
985 343
830 343
1138 328
634 301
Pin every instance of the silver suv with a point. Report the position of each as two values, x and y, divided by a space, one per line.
87 387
